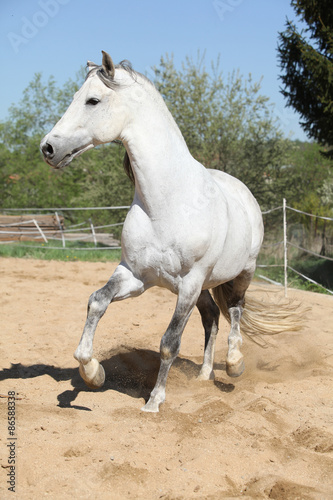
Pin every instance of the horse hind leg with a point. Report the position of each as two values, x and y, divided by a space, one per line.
230 297
235 359
210 320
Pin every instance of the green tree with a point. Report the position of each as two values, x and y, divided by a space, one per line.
306 59
307 171
26 180
326 194
39 109
226 123
94 179
104 183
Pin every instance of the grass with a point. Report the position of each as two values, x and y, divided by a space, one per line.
310 267
74 251
79 251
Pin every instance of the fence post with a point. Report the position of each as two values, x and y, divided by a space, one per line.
285 247
61 232
40 231
93 232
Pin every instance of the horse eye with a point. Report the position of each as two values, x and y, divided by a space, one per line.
93 101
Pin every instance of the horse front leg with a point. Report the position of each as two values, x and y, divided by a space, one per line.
121 285
170 345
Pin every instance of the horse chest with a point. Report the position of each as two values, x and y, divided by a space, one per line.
152 253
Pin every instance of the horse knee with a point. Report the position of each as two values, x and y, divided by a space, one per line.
97 304
169 347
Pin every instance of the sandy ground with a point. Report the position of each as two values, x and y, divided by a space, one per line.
267 434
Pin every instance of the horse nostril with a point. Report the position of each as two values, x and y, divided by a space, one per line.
48 150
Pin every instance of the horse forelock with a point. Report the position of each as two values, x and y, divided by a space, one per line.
112 83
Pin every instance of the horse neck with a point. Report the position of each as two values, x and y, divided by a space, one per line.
159 156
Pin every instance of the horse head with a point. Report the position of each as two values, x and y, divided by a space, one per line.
95 116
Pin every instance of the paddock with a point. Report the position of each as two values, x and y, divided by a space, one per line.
267 434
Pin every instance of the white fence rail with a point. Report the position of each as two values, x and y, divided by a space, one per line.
86 230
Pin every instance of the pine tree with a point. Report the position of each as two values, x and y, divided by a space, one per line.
306 58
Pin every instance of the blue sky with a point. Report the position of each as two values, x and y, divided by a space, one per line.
57 37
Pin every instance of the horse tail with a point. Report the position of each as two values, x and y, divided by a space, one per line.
262 317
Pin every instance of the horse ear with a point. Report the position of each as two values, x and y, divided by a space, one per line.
108 65
91 64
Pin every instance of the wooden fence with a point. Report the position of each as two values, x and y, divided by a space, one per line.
30 227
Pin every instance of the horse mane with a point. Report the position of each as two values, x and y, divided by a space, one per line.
128 168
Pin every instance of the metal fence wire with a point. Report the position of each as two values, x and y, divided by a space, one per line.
289 233
302 234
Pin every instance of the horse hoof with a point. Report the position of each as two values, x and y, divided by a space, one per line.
235 366
150 408
93 374
153 404
235 370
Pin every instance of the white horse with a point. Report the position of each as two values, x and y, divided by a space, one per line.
189 229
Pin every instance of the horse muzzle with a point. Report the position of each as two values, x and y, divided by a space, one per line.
56 157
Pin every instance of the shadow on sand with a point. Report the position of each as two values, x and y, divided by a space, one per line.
129 371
